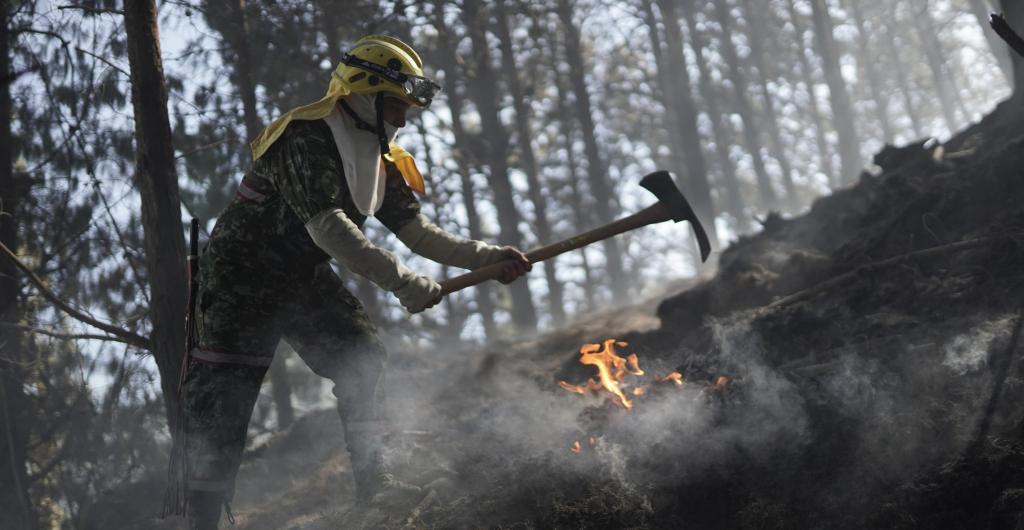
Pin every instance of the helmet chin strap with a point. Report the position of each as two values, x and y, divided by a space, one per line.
382 137
378 103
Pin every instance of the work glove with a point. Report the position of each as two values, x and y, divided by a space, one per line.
418 294
518 264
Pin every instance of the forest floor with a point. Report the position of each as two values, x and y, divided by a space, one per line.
871 365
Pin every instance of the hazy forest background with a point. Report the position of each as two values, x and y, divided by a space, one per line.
551 112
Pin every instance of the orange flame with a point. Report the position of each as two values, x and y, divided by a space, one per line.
572 388
576 447
719 385
674 377
610 366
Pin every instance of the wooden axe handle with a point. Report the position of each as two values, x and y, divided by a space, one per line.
656 213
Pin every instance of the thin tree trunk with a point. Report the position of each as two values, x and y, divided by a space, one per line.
751 133
723 141
238 39
981 9
580 212
495 141
449 63
807 76
281 388
694 174
842 110
15 503
157 181
895 51
758 42
926 28
524 132
606 204
867 61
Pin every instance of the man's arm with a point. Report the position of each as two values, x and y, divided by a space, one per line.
307 174
341 239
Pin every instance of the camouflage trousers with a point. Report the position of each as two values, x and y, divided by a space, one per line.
239 328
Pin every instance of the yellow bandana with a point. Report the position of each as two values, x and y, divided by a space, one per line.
319 110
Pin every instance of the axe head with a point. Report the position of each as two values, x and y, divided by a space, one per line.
661 185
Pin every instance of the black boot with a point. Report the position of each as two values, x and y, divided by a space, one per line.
373 479
204 509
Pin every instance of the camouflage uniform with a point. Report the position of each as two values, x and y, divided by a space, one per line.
262 278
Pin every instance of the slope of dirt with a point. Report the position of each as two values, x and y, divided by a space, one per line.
856 366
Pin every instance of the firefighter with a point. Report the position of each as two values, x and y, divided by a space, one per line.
318 172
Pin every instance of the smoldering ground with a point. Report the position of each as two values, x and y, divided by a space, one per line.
491 434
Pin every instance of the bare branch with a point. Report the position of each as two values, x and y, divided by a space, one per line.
126 336
92 10
61 334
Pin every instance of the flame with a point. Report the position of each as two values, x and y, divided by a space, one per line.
572 388
639 391
576 447
719 386
674 377
610 366
592 441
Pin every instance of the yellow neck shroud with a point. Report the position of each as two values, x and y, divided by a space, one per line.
402 159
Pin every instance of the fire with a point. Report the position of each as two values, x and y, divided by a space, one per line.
612 368
674 377
719 386
576 447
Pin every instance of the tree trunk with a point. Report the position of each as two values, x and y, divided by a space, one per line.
693 176
281 388
842 110
733 197
15 503
751 133
981 9
807 76
556 303
238 39
449 64
606 204
758 42
926 29
1013 10
581 215
157 182
867 61
895 51
495 143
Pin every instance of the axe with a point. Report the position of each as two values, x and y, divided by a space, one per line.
671 205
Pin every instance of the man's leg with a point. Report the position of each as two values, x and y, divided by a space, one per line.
220 389
332 333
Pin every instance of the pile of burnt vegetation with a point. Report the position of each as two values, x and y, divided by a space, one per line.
890 315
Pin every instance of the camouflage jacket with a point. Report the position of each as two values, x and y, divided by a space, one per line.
260 245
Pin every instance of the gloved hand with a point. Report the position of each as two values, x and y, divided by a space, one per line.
418 294
518 264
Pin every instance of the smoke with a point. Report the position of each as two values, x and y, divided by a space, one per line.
492 432
969 351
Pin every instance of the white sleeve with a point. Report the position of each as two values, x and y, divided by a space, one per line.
432 242
341 239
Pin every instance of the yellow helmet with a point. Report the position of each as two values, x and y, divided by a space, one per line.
382 64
